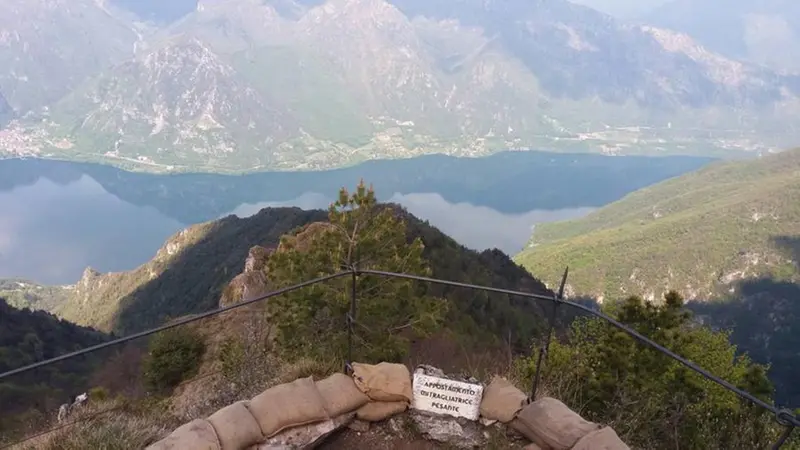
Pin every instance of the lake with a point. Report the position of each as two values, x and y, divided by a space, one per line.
57 218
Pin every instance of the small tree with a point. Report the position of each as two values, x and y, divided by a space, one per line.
390 311
173 356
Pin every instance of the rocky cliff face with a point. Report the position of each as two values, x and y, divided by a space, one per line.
48 47
251 84
6 112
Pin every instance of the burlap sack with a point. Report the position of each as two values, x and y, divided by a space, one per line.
378 411
385 382
502 400
556 425
603 439
236 428
523 429
288 405
197 434
340 394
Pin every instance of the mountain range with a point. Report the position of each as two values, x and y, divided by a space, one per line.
245 85
764 32
703 234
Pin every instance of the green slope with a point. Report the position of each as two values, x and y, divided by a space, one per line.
699 233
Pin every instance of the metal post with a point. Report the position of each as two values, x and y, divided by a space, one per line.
351 317
784 417
544 350
784 437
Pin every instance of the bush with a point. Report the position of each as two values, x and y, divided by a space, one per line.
651 400
173 356
98 394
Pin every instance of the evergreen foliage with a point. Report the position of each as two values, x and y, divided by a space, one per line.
389 313
652 400
174 355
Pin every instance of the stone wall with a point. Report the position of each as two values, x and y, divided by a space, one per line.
303 413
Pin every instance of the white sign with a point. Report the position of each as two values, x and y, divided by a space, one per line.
449 397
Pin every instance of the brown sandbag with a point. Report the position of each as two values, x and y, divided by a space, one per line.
378 411
502 400
340 394
531 446
236 428
384 382
556 425
197 435
523 429
603 439
288 405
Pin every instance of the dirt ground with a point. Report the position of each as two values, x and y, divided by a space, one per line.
398 434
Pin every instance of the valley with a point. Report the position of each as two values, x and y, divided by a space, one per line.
165 165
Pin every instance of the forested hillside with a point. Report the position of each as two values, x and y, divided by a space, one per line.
700 233
27 337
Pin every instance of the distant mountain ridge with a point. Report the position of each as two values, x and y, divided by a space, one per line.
702 234
765 32
266 84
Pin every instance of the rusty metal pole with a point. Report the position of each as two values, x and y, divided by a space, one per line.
545 349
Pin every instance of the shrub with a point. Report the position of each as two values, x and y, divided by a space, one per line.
98 394
173 356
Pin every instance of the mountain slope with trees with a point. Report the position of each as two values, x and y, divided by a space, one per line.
27 337
700 234
191 271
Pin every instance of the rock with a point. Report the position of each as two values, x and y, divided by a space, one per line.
305 437
359 425
430 371
439 373
487 422
457 432
532 446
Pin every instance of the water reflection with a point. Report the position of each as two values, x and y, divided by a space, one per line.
476 227
50 233
57 218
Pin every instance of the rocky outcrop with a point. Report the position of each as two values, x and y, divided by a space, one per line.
252 282
303 413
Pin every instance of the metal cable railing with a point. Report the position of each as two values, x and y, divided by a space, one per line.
784 417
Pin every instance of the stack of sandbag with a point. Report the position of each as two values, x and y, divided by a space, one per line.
388 387
243 424
551 425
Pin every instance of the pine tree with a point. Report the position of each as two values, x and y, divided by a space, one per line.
390 312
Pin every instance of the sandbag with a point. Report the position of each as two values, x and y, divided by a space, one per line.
384 382
288 405
502 400
523 429
340 394
531 446
197 435
236 428
603 439
378 411
556 425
